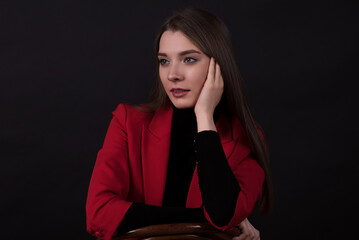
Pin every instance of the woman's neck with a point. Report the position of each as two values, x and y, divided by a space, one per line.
188 116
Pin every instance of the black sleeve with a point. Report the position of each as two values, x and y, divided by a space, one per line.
218 185
141 215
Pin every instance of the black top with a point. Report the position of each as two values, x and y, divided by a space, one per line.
218 185
182 157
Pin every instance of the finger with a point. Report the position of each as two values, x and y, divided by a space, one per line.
249 232
211 70
217 73
214 68
244 231
243 236
249 227
219 78
258 235
253 232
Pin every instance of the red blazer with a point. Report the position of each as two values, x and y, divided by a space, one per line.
132 166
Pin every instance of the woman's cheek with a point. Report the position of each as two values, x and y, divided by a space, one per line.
202 77
164 83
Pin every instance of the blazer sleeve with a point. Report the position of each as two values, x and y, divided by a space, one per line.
250 177
106 203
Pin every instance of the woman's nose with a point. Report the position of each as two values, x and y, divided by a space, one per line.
175 73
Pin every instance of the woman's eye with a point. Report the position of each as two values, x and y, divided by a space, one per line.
189 60
163 61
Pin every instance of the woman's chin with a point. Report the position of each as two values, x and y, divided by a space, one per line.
183 104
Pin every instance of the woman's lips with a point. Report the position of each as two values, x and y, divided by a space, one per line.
179 92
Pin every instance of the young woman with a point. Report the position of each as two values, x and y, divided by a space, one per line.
193 152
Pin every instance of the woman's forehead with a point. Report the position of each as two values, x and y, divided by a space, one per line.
175 42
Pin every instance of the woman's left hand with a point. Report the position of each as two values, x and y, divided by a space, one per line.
211 92
248 231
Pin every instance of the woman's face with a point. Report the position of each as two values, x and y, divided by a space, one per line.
183 68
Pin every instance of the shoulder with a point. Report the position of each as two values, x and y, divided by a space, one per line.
239 132
231 126
132 114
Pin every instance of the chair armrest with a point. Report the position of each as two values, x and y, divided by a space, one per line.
174 229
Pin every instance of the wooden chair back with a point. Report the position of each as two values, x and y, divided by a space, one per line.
183 231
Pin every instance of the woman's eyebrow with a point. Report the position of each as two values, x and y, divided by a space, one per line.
181 53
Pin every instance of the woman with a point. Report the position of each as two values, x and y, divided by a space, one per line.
193 152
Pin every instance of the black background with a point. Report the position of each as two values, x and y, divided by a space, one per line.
65 65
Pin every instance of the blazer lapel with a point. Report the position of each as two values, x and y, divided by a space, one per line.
156 140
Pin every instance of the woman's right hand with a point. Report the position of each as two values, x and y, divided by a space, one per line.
211 92
248 231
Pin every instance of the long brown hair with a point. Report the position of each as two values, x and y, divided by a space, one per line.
212 37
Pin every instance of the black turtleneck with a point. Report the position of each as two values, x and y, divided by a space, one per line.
218 185
182 157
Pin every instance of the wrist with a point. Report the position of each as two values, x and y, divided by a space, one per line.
205 122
